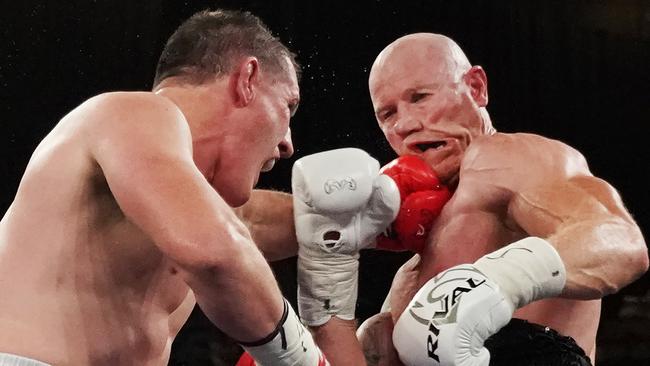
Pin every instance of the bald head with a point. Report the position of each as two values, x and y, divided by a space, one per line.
434 51
425 91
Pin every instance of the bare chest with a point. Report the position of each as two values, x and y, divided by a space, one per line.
474 222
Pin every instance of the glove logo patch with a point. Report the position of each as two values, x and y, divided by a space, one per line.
441 306
445 305
332 185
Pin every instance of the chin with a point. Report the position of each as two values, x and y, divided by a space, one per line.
451 180
447 171
235 194
236 200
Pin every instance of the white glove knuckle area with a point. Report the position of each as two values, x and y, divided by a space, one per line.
335 181
448 320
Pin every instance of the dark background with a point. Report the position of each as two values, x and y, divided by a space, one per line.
577 71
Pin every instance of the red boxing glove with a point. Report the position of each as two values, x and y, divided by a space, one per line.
423 197
246 360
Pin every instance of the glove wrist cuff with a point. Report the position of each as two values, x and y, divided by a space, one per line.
525 271
327 289
289 344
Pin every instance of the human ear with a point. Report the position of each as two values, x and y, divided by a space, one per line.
244 81
476 79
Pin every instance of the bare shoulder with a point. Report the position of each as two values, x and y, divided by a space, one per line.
523 156
108 116
122 103
130 110
131 120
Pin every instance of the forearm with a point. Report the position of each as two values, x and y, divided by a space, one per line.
239 295
601 246
269 218
338 341
601 256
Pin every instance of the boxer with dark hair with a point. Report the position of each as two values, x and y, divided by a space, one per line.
123 220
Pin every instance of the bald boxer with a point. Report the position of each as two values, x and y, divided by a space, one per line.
527 216
529 231
123 220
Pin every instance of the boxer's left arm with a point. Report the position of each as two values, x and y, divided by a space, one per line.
558 199
268 215
584 218
582 244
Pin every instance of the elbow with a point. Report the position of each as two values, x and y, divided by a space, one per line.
639 262
627 267
637 256
633 265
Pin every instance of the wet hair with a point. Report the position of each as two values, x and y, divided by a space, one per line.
210 43
527 344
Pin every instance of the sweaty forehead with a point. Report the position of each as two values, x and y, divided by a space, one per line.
407 66
288 80
292 78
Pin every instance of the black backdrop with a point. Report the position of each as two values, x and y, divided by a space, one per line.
574 70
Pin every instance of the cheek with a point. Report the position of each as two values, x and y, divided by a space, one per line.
456 110
273 129
284 126
452 106
394 141
470 114
281 129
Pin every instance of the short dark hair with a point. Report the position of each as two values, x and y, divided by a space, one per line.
210 43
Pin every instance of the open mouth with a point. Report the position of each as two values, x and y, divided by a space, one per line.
424 146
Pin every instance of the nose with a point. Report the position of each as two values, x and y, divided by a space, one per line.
406 125
286 146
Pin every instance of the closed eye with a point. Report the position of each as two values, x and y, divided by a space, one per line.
416 97
386 114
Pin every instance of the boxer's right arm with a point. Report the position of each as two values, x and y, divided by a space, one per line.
143 147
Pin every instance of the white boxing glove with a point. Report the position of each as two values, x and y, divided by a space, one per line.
341 204
290 344
451 316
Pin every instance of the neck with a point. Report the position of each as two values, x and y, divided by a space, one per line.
488 128
200 105
190 100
